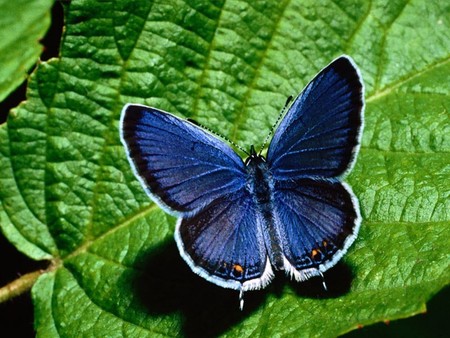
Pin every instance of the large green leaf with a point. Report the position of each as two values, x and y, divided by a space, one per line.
22 24
68 194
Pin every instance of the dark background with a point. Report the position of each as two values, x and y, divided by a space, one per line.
16 315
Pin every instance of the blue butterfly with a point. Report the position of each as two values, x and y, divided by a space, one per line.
239 221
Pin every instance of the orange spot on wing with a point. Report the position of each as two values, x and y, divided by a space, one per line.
239 269
314 253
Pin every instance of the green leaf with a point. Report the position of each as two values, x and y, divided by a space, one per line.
68 195
23 24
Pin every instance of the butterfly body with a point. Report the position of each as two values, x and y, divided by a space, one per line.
260 186
239 221
259 179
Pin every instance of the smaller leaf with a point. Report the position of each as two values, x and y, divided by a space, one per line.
23 24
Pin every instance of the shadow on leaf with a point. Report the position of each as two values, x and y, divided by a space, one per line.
338 281
166 284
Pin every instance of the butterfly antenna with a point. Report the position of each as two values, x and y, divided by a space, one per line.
218 135
283 111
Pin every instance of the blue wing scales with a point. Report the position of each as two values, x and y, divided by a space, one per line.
182 167
320 133
224 243
315 215
317 222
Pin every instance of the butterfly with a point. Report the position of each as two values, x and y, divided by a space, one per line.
239 221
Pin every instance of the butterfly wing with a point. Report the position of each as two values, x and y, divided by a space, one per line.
182 167
320 133
224 243
316 216
317 222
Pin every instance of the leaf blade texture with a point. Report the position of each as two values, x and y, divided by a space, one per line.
23 24
68 195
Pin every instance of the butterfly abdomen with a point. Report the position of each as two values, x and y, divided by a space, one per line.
260 186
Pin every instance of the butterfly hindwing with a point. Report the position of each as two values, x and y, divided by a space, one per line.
320 133
224 243
317 222
182 167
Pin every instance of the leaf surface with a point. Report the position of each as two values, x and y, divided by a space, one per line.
68 194
23 24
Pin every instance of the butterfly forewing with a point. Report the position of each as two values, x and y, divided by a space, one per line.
182 167
320 133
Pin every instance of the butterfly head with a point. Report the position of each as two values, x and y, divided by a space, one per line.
254 157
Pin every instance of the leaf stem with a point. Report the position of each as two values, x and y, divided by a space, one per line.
19 286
